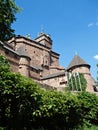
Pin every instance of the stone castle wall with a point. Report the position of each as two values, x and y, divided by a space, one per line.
11 57
40 61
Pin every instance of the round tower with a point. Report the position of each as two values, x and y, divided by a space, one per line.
79 65
24 61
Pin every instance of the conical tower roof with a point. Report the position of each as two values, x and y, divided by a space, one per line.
77 61
21 51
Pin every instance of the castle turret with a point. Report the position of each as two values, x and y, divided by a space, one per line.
24 61
79 65
44 39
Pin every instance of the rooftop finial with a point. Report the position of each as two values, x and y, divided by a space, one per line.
42 29
76 53
28 35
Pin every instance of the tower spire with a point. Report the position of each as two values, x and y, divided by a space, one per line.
75 52
42 29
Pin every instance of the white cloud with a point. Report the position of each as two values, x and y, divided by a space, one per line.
97 23
96 57
90 24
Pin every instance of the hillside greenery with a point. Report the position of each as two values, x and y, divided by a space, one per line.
24 105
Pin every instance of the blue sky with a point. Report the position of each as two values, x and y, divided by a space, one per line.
72 24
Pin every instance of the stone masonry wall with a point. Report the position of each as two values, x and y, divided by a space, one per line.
12 58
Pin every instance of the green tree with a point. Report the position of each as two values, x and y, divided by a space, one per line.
88 106
19 98
97 72
4 65
24 105
8 9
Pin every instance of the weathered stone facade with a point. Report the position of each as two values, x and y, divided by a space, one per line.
35 59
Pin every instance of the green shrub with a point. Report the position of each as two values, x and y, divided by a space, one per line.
25 105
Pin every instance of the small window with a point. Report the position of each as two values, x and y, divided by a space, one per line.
15 56
6 52
20 67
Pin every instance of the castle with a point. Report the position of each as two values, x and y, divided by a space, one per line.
36 59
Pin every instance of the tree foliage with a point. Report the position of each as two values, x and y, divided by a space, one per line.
97 73
4 65
24 105
8 9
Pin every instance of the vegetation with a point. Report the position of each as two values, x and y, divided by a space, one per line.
76 82
8 9
24 105
97 73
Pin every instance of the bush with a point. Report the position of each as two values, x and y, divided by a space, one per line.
25 105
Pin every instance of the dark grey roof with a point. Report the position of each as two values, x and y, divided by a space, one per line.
11 50
22 52
53 75
36 67
7 48
77 61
